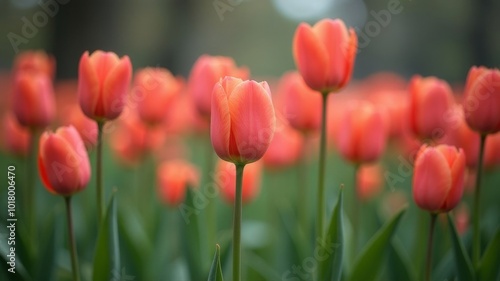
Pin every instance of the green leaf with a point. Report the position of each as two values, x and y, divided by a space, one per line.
216 269
190 229
330 268
52 243
464 265
399 262
490 264
107 253
367 266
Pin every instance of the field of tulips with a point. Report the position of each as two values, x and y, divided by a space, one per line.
132 173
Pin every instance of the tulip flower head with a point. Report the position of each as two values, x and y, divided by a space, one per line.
285 149
243 120
438 178
481 101
325 54
155 90
35 61
33 100
362 133
174 177
430 100
103 81
368 182
63 162
206 72
17 138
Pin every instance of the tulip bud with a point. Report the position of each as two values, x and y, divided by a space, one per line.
438 178
174 177
325 53
17 138
103 81
481 101
243 120
63 162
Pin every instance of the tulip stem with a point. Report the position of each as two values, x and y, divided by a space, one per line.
237 224
100 199
355 211
212 207
321 172
302 194
30 192
476 235
72 244
429 247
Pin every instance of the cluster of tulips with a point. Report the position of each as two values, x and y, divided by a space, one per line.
448 135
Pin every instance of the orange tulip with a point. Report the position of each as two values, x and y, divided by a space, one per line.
174 177
431 98
63 162
481 101
155 89
368 182
492 151
206 72
362 134
103 81
243 120
438 178
33 100
227 181
325 54
301 106
285 148
17 138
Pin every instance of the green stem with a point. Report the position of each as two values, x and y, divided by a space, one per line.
237 224
476 235
302 196
321 173
429 247
355 212
212 207
72 244
32 176
99 195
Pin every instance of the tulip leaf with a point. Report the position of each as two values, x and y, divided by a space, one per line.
52 242
107 253
399 261
330 268
462 260
367 266
490 263
216 269
190 239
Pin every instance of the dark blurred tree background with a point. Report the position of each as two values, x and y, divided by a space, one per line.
429 37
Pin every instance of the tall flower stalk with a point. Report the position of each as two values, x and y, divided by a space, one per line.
476 235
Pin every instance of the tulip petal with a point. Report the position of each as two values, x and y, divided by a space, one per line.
220 123
41 166
88 86
431 180
482 103
72 137
334 38
252 120
115 88
310 57
372 136
351 57
457 186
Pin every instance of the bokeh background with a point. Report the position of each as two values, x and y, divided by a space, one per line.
428 37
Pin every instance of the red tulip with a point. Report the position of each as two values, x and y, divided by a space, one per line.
492 151
362 134
17 138
63 162
206 72
438 178
301 106
103 81
243 120
227 181
368 182
462 218
155 89
431 98
33 100
325 53
174 177
35 61
481 101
